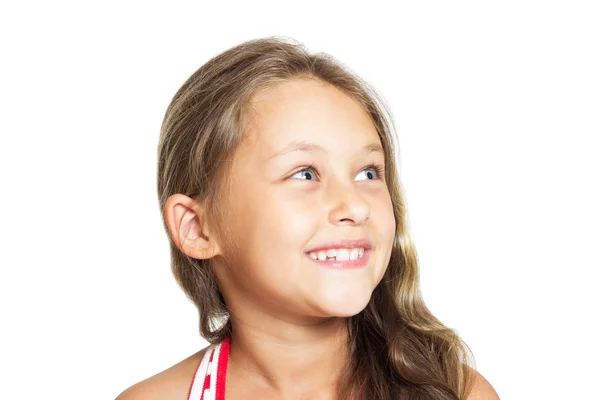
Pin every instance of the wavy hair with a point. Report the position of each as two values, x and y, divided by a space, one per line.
397 348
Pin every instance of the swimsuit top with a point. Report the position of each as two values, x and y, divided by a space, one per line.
209 381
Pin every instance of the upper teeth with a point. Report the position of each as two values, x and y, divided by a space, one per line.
338 254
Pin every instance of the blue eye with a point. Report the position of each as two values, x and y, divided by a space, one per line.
371 175
379 171
306 174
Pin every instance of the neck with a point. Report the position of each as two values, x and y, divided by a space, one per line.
289 358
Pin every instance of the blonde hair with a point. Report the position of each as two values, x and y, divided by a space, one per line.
398 348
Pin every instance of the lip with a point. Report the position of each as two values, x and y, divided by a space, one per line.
344 244
348 264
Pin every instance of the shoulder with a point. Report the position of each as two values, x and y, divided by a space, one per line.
480 388
172 383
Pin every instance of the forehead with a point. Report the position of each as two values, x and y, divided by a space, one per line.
311 111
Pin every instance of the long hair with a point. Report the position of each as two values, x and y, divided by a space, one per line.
397 348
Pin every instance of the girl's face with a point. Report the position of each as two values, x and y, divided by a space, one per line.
279 208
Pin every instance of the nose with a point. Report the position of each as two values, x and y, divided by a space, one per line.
347 206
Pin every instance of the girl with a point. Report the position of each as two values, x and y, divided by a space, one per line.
279 190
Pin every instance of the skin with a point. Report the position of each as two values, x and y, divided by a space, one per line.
288 312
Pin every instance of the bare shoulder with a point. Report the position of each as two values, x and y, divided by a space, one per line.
481 389
172 383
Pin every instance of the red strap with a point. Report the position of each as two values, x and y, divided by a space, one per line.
207 377
222 368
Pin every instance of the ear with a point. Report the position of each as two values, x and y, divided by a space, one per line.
186 220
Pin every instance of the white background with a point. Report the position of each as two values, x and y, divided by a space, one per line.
497 108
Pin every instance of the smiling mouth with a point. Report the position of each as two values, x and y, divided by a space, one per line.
340 258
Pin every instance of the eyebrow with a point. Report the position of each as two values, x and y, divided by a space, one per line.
303 145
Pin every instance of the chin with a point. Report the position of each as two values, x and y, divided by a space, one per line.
343 303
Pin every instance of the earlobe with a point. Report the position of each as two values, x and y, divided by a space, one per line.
186 220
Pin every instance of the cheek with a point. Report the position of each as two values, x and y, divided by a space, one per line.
385 226
390 222
274 225
387 210
287 224
272 261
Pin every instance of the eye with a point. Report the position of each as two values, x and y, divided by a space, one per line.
308 172
304 172
374 167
